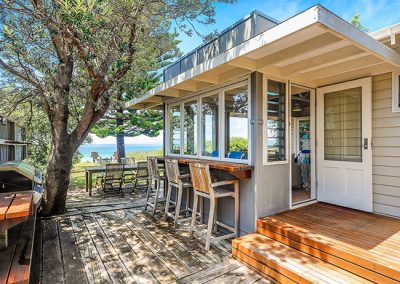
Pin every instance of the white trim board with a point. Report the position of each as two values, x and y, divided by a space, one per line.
297 29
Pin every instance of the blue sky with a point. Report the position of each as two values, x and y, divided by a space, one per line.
375 14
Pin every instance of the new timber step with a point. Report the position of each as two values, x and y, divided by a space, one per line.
359 242
286 264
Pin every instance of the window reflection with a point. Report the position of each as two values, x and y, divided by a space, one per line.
209 128
175 130
190 128
236 123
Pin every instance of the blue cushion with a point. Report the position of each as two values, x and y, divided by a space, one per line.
236 155
215 153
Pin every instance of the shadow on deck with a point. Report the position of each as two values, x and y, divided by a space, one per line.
111 240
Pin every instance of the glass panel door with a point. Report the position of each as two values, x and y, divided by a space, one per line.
342 121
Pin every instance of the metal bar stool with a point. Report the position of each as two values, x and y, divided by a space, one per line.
203 187
156 175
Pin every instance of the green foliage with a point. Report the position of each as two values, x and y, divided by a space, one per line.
238 144
356 21
131 122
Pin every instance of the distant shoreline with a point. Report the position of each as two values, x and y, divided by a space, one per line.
107 150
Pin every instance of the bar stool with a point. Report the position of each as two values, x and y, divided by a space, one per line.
155 175
180 182
203 187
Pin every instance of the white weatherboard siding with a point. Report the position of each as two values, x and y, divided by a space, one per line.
386 148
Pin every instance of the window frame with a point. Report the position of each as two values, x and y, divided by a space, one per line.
220 90
396 91
208 94
182 103
266 78
222 125
168 129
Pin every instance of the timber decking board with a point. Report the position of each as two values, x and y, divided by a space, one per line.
291 263
52 261
129 245
364 243
319 224
74 271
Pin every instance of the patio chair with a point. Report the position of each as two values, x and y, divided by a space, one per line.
156 176
203 187
128 175
141 174
113 179
180 182
128 161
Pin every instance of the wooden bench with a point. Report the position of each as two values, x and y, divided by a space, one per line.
17 222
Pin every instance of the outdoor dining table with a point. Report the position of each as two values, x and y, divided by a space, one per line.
100 169
15 207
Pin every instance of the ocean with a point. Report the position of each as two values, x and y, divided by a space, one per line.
107 150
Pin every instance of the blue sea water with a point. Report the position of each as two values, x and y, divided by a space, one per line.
107 150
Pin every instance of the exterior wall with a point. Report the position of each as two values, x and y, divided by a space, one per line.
272 193
386 148
247 213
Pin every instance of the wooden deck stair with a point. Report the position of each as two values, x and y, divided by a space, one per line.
322 243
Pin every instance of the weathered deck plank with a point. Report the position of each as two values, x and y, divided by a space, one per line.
175 265
115 267
94 267
191 262
181 235
112 240
138 271
146 257
52 262
74 270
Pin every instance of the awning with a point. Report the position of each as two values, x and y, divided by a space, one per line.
314 48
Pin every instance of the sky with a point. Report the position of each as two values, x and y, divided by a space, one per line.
375 15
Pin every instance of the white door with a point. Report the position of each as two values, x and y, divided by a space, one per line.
344 155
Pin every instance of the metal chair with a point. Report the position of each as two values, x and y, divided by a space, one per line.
113 178
180 182
141 174
203 187
156 175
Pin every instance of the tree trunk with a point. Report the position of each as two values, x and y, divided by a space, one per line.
58 178
120 136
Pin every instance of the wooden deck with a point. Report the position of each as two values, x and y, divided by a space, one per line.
127 245
324 243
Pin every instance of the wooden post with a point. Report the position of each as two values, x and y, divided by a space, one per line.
90 183
3 240
87 180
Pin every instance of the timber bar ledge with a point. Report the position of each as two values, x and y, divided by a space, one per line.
241 171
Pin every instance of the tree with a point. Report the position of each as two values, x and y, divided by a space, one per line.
69 55
356 21
120 122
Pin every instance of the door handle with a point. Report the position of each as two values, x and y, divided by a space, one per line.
365 143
